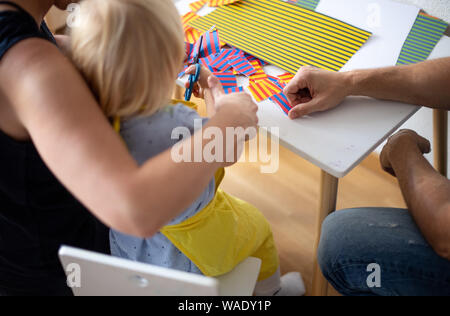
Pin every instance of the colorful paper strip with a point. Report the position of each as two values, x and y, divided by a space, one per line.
228 79
427 31
233 90
282 101
197 5
264 89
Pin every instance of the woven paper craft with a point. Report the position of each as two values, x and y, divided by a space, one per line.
427 31
285 35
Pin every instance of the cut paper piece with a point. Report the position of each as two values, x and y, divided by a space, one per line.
260 73
276 81
285 35
252 58
206 62
258 76
282 101
233 90
221 61
286 78
181 74
191 35
263 89
308 4
242 66
423 38
219 3
189 49
197 5
228 79
188 17
210 46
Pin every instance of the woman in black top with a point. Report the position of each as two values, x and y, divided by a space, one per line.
53 136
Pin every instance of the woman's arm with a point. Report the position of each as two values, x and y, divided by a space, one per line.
88 157
426 192
314 90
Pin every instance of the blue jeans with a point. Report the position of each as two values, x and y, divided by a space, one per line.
352 240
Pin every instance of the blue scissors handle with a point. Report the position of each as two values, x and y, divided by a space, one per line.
192 80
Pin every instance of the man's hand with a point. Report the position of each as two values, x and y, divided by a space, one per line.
315 90
399 146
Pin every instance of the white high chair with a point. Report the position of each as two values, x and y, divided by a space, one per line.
102 275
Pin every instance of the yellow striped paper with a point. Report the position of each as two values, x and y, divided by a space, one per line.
284 34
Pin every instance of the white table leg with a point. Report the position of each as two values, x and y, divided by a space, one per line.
328 198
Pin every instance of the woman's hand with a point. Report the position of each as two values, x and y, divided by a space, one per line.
315 90
236 111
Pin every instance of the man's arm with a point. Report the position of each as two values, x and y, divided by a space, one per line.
427 84
426 192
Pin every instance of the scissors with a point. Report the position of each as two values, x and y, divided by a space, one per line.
195 77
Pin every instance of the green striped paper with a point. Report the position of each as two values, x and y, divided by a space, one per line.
308 4
425 34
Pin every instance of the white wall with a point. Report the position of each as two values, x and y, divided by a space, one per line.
422 122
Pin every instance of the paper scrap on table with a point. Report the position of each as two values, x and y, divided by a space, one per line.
227 79
197 5
389 21
233 90
264 89
423 38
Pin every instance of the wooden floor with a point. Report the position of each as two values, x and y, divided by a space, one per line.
289 200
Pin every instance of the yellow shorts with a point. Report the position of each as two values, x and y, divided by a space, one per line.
224 234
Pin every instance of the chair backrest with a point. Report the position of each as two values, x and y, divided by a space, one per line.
93 274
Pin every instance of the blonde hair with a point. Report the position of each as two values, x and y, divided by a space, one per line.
129 51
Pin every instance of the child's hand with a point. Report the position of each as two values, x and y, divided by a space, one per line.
202 84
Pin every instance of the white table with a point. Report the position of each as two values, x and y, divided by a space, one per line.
340 139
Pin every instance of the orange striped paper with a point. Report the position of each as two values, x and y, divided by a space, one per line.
220 3
191 35
264 89
188 17
260 74
286 78
197 5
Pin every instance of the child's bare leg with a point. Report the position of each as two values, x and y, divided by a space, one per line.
290 284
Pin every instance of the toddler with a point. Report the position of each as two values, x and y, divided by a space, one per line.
130 51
